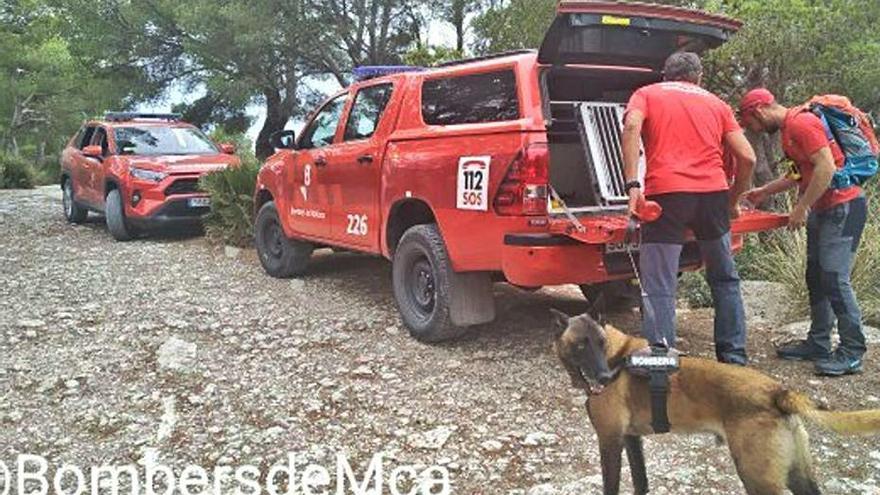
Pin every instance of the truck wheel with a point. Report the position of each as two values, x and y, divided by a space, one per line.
619 294
73 212
280 256
115 217
422 279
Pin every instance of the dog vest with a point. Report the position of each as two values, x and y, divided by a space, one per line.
656 363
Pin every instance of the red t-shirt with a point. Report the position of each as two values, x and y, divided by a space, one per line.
683 135
803 134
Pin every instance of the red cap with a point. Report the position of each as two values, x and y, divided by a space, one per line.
753 99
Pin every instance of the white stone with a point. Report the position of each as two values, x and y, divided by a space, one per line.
177 355
29 323
540 439
231 251
430 440
492 446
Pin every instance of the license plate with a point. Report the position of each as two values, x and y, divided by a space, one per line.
621 247
199 202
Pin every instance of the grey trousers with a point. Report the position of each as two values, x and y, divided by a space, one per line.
833 237
659 266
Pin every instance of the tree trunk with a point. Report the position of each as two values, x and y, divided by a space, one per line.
276 119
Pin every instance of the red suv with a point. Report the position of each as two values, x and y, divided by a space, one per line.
140 171
501 168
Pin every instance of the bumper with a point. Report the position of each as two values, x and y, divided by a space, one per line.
172 213
534 260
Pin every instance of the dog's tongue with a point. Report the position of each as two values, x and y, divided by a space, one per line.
597 389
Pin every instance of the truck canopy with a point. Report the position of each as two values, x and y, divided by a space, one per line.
629 34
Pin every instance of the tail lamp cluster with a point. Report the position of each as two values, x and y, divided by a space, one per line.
525 188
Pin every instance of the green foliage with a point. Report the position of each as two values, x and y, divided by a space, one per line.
515 25
232 203
429 56
693 288
16 173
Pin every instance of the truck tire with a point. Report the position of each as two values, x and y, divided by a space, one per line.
280 256
73 212
115 217
422 280
619 294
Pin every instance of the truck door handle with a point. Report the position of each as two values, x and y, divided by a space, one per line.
365 159
320 161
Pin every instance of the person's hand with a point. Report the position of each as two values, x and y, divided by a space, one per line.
798 217
735 210
636 198
756 196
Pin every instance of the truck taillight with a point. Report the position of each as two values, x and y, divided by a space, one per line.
525 189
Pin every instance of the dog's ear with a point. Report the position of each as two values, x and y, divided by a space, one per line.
597 310
560 320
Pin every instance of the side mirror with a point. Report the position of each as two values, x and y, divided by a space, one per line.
227 148
283 140
93 152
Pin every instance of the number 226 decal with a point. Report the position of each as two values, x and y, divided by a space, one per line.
472 192
357 225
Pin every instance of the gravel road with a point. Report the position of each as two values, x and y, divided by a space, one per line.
185 352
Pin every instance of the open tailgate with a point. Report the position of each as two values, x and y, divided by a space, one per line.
629 34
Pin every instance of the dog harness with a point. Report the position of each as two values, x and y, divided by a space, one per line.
656 363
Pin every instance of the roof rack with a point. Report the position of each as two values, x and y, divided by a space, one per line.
486 57
126 116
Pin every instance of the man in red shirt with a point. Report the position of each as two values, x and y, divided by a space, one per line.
835 219
685 130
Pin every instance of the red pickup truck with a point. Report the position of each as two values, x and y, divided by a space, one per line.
140 170
504 167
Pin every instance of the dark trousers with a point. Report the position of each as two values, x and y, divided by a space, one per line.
708 216
833 237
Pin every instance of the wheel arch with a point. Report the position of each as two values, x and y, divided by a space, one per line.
403 215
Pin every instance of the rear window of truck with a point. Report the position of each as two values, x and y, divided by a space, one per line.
471 99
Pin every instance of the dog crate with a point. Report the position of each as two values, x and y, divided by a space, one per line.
587 155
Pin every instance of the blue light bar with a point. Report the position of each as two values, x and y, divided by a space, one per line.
373 71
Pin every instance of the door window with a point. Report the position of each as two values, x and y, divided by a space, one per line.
366 112
85 137
322 129
100 139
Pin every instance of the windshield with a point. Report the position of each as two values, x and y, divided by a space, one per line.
163 141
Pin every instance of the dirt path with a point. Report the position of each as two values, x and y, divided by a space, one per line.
316 366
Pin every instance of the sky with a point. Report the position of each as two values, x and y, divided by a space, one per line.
439 33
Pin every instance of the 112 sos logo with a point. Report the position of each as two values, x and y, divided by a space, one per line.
472 191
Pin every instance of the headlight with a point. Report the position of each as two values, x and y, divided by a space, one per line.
147 175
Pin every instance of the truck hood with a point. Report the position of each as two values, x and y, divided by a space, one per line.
189 164
629 34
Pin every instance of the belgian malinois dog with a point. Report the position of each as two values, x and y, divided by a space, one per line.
758 417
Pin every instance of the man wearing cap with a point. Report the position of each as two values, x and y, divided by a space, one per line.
685 130
835 219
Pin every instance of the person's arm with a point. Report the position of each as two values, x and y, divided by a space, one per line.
823 174
759 195
632 145
745 158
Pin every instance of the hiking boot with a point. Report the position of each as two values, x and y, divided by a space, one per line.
839 364
802 350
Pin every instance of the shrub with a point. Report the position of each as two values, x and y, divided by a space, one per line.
232 203
16 173
693 288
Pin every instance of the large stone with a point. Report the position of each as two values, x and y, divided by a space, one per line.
800 329
430 440
766 303
177 355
